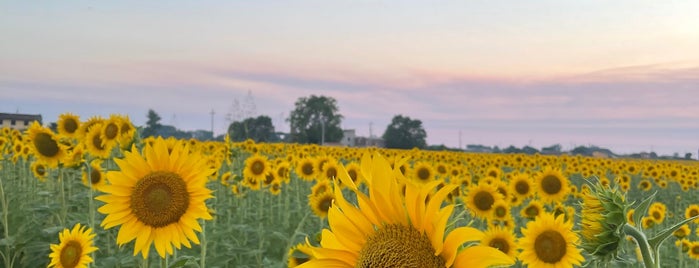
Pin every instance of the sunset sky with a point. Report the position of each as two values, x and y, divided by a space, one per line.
617 74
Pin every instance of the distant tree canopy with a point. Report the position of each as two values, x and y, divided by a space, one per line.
405 133
152 125
309 116
259 129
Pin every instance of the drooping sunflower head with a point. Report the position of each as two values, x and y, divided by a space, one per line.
68 125
45 145
603 215
549 241
552 186
74 248
157 197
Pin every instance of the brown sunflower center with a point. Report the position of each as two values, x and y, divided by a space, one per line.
46 145
483 200
500 244
695 250
522 187
442 169
97 141
70 126
331 172
282 172
551 184
500 211
95 176
693 213
398 246
111 131
160 198
40 169
71 253
532 211
307 169
657 215
352 174
423 174
550 246
257 167
324 203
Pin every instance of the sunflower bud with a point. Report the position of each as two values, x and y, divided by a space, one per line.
603 218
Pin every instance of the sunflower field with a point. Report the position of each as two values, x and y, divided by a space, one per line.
95 194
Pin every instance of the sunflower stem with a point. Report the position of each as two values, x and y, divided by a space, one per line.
64 207
202 255
6 228
163 262
642 243
91 205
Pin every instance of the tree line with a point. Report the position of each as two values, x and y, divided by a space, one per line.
314 120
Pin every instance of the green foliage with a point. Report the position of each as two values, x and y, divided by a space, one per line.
309 116
405 133
152 125
259 129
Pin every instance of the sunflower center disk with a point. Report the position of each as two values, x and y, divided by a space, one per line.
97 142
423 174
307 169
160 198
522 188
95 176
257 168
551 185
484 200
550 246
500 244
70 126
398 246
111 131
70 254
46 145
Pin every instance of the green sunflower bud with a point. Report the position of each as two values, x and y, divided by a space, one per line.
603 219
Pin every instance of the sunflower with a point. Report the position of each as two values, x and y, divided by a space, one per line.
552 186
256 168
74 248
532 210
422 172
521 186
694 250
95 178
298 255
500 210
110 129
40 170
321 202
657 212
550 242
389 230
45 145
354 173
276 187
157 197
305 169
68 125
692 211
480 199
94 143
321 187
682 232
282 171
502 239
330 169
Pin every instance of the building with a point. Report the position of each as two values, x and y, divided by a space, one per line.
350 139
18 121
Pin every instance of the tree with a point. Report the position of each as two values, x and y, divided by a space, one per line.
315 120
405 133
152 125
259 129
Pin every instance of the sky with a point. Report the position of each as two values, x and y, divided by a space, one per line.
618 74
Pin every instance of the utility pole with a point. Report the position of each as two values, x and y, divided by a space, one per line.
212 123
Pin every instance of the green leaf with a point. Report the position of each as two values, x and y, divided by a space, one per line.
642 209
660 237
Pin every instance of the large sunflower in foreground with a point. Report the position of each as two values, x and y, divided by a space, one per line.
390 230
549 242
157 198
74 248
